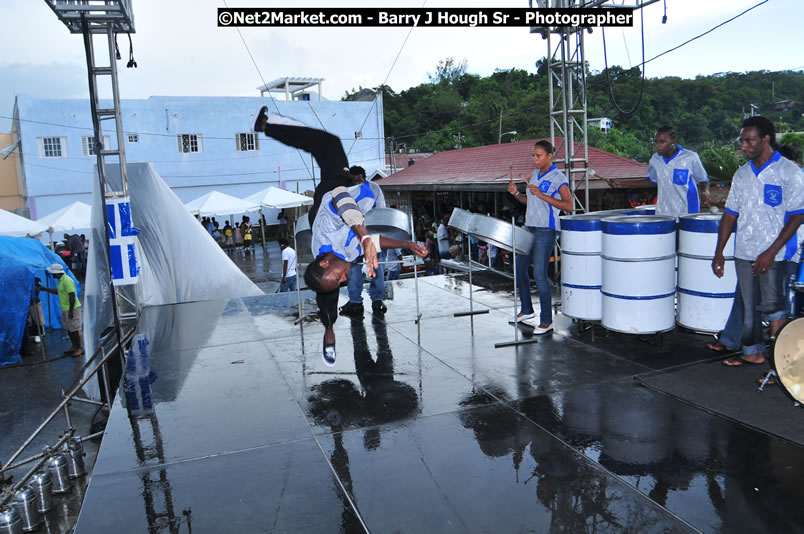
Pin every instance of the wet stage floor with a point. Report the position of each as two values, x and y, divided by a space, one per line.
228 421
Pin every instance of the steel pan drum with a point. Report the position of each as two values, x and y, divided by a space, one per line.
304 235
788 358
389 222
498 233
460 220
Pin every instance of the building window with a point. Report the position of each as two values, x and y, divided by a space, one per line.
133 138
52 147
246 142
190 143
88 144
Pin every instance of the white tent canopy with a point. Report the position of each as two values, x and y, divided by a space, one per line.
273 197
11 224
75 216
217 203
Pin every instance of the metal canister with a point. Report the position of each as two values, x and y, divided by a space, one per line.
26 502
42 484
57 466
10 522
75 459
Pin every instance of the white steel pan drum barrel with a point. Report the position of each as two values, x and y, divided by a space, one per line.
788 359
389 222
638 273
498 233
704 300
581 245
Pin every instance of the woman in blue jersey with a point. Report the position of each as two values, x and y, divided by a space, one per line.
547 193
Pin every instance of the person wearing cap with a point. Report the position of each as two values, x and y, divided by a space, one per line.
337 218
69 304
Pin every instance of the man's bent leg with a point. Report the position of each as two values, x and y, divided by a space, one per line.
355 283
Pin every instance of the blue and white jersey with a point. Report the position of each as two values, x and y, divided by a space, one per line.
763 200
539 213
676 179
331 234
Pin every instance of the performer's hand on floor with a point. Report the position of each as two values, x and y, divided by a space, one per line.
419 250
370 254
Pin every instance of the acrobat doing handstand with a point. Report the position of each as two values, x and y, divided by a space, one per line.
337 218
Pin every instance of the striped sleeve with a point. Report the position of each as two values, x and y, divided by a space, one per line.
346 207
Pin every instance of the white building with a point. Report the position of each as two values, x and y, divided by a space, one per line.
604 124
198 144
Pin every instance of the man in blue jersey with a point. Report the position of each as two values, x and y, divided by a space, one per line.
336 218
677 173
767 196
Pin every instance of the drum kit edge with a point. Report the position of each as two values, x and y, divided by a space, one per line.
787 351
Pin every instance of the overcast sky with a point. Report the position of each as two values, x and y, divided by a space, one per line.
180 51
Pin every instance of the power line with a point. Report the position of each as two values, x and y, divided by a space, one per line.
608 78
393 64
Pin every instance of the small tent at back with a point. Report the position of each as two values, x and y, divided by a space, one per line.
22 260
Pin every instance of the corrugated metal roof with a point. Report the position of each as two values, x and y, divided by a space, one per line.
493 164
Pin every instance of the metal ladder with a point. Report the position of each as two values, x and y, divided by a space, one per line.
109 17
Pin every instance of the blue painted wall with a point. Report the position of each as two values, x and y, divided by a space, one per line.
52 183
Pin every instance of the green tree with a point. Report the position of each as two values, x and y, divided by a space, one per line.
721 162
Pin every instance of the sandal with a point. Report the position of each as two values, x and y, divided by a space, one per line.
740 361
717 347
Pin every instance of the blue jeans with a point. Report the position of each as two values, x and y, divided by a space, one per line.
762 295
539 256
732 334
289 285
394 274
355 281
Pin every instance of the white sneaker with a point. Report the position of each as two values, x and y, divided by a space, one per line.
521 318
328 353
541 331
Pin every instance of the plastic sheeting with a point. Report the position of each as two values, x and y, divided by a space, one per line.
180 262
22 260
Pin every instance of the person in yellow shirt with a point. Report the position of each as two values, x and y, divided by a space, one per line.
69 304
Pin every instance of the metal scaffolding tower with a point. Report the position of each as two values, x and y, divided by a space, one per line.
91 18
566 67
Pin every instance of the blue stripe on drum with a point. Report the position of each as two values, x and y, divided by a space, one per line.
706 224
576 286
639 225
634 297
706 295
580 225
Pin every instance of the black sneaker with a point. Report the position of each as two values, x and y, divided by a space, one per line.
328 353
352 309
260 119
378 308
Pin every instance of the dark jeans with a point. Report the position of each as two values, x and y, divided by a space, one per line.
539 256
762 296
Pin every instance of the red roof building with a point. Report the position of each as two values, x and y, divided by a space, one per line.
488 168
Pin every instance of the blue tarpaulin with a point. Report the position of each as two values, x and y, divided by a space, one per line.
22 260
